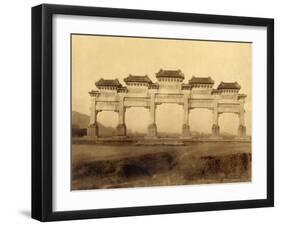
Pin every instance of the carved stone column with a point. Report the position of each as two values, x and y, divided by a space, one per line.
121 127
215 127
93 129
152 128
242 127
185 126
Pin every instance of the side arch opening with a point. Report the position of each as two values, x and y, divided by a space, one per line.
229 123
107 122
200 122
136 120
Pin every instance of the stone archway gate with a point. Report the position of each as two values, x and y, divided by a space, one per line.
140 91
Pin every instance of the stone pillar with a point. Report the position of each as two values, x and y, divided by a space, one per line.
242 127
93 129
215 127
185 126
152 128
121 127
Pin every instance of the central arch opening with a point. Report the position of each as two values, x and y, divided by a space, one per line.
200 122
229 123
107 121
136 119
169 120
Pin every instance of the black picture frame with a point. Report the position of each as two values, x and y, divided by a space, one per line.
42 106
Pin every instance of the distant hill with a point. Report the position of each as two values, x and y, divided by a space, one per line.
81 121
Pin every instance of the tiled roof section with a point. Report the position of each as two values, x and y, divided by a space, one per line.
109 83
169 74
153 86
94 93
122 89
242 96
215 91
201 80
229 85
138 78
185 86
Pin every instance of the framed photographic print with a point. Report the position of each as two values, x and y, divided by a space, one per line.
145 112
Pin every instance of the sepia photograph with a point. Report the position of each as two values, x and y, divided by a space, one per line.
141 112
149 111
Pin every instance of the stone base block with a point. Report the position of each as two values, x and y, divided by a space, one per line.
186 131
93 130
215 130
121 130
243 138
186 138
150 138
120 137
242 131
152 130
214 138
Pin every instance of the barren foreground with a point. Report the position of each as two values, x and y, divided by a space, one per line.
128 165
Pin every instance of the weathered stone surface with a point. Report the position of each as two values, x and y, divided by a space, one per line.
152 130
185 131
242 131
215 130
121 130
93 130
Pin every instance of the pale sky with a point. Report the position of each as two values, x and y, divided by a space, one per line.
94 57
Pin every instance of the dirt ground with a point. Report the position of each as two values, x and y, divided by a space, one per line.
128 165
